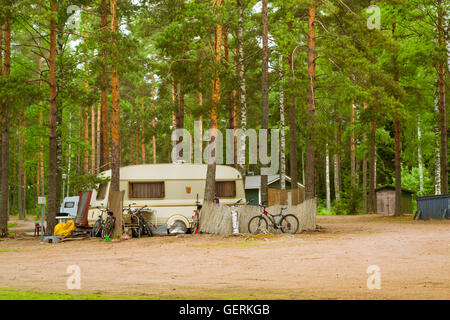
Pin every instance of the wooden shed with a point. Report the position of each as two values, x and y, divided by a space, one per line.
386 200
276 196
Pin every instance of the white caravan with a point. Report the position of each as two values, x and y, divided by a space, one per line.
171 191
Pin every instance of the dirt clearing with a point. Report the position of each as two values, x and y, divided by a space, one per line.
413 257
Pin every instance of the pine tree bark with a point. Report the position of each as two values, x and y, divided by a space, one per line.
265 92
86 106
398 168
20 175
372 177
337 163
115 116
210 185
104 152
52 206
4 182
141 125
93 139
293 168
310 153
442 103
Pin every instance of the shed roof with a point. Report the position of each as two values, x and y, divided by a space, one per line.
391 187
254 182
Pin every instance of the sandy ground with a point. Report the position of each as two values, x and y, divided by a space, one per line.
413 257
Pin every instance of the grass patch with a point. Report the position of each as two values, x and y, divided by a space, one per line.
12 225
190 294
9 250
14 294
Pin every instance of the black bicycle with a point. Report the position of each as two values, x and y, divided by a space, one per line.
286 223
102 227
144 226
138 223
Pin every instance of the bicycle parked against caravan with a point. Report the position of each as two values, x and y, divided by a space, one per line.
104 227
138 223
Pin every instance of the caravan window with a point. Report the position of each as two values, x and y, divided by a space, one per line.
225 189
70 204
101 192
146 190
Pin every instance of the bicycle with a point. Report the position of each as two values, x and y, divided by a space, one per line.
286 223
109 225
144 225
104 227
138 223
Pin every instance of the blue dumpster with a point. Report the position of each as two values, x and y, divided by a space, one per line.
436 207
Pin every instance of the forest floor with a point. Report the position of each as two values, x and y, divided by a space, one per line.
413 257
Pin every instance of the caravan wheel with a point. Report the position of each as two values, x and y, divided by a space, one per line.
177 227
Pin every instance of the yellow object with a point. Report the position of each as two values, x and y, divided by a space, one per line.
64 229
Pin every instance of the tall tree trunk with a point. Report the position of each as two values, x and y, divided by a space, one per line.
93 139
265 92
442 103
337 162
327 177
242 86
310 153
20 174
69 160
235 111
180 113
98 138
437 147
419 153
229 101
364 169
86 106
352 147
210 185
4 182
282 133
52 167
115 115
153 120
372 172
293 168
41 151
104 161
398 168
141 125
138 144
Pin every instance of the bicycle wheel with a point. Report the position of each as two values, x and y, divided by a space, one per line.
145 227
97 228
257 225
289 224
108 227
147 230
